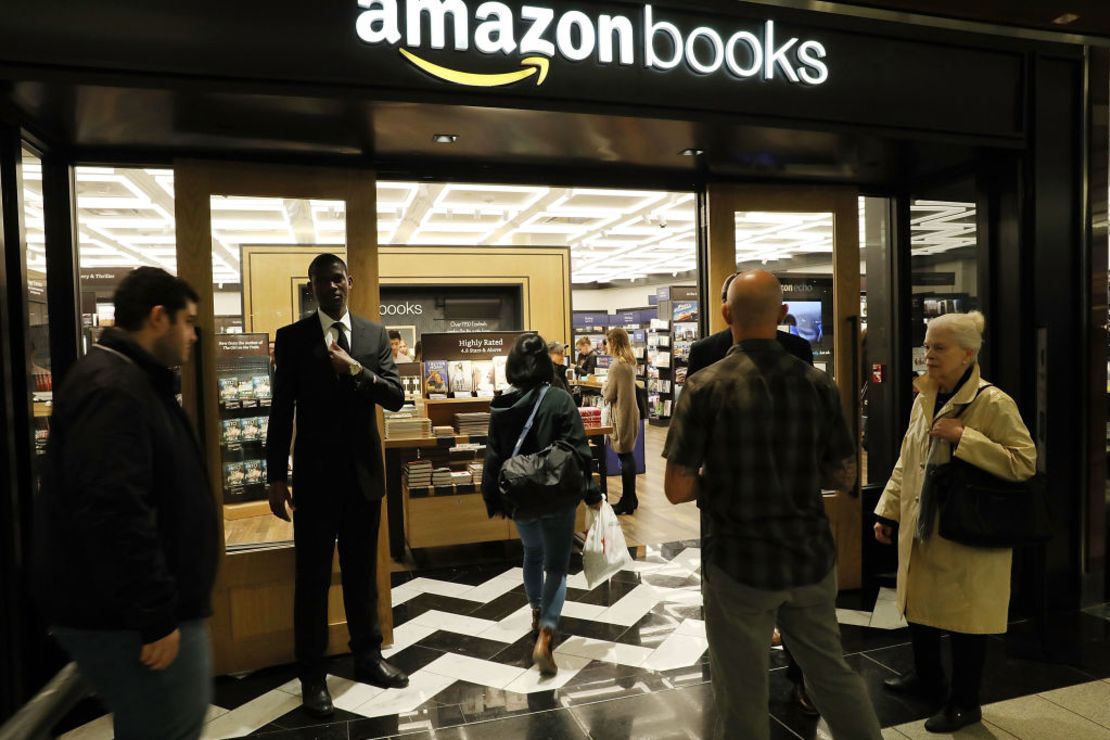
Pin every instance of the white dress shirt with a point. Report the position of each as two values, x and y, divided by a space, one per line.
331 332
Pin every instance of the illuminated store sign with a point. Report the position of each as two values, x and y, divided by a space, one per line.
538 37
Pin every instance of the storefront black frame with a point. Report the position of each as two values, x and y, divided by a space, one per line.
1036 193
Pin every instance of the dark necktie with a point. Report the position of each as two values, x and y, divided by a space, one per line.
341 337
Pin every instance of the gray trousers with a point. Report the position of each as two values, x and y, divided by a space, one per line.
168 705
739 620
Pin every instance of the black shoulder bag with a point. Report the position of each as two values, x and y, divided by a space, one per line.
982 510
542 482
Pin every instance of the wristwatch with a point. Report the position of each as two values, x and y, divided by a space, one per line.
356 369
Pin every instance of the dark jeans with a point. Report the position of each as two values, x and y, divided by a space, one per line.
341 513
969 654
170 704
547 543
628 475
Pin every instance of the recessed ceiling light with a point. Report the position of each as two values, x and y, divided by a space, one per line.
445 138
692 152
1065 19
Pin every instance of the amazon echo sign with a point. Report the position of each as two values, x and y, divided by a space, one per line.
537 38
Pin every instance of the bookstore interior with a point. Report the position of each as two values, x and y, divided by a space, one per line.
464 269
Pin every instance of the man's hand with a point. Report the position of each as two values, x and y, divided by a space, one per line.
950 430
884 533
280 500
160 654
341 362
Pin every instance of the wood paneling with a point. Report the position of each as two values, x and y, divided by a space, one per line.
252 625
724 201
543 274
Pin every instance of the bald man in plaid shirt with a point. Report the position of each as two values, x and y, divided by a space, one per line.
767 432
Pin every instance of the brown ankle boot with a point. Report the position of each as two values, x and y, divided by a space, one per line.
535 621
542 655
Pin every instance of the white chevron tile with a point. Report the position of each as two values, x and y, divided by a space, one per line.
440 588
531 681
677 651
423 687
252 716
474 670
604 650
449 622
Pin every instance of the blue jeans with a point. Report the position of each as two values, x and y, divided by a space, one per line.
547 542
170 704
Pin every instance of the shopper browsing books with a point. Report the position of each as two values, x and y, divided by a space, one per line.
624 415
586 363
758 435
332 370
126 537
547 527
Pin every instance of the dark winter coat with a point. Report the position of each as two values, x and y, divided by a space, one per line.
126 535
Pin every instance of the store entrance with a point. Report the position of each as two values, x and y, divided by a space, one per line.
227 389
809 238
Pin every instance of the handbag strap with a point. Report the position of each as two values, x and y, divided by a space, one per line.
966 406
531 418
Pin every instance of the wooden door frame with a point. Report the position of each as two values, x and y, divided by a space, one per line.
195 182
723 201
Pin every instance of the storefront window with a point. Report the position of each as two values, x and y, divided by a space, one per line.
38 318
257 244
125 219
798 249
944 263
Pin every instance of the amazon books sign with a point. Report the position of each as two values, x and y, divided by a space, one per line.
534 40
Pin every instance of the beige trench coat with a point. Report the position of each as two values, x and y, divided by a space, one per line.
941 583
624 414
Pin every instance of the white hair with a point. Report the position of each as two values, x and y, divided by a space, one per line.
965 328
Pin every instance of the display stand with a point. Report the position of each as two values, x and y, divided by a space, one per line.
452 515
678 322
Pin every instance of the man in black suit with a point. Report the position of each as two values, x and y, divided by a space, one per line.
704 353
331 370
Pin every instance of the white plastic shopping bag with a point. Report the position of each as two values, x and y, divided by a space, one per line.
605 551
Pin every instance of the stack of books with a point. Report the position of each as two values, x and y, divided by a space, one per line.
441 432
473 423
417 474
591 415
461 478
442 477
475 469
407 426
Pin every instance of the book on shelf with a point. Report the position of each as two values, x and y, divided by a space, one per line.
460 377
483 378
443 431
660 324
500 381
662 359
435 377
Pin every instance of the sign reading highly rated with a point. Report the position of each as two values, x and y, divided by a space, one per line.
539 37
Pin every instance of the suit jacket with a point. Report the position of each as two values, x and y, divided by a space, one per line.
337 427
705 352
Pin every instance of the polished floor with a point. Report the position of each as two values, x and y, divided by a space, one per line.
634 664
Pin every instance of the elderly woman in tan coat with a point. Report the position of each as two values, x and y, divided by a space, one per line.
620 393
944 586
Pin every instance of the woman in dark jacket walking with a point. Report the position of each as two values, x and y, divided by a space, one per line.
547 538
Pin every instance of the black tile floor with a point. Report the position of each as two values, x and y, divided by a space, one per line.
606 698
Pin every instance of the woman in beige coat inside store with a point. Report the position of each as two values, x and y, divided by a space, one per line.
619 392
944 586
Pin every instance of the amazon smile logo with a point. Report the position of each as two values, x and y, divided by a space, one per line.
575 36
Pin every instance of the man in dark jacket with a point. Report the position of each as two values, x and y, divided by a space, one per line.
705 352
332 369
126 537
